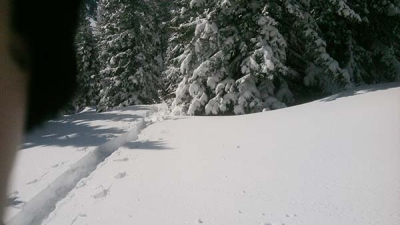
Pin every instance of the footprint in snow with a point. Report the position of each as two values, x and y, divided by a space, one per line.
76 218
121 160
103 193
120 175
32 182
37 179
14 202
81 149
57 165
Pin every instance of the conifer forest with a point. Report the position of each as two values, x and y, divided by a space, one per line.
230 57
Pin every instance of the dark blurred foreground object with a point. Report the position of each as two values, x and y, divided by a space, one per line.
44 33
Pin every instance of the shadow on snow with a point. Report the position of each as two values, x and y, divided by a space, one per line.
14 202
147 145
78 130
361 90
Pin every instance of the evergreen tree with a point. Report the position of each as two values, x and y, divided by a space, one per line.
337 44
179 27
128 53
232 60
377 39
86 52
234 57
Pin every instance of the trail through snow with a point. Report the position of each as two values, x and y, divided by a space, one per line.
332 161
25 208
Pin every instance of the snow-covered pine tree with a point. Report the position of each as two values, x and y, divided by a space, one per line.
340 43
256 55
232 62
307 52
162 12
86 52
179 30
128 53
362 38
242 56
148 50
198 55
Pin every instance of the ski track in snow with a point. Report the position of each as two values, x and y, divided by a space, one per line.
36 210
39 207
331 162
321 175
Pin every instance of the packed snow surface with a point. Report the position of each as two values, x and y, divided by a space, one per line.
332 161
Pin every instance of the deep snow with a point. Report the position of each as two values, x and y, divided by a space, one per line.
61 150
332 161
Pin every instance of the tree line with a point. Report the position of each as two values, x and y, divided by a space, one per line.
224 57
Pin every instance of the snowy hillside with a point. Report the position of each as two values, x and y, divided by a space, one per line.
333 161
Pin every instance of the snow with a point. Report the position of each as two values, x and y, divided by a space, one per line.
197 3
331 161
50 153
186 62
93 23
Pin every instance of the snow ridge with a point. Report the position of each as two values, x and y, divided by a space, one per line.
36 210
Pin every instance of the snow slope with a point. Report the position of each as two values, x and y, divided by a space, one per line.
63 145
333 161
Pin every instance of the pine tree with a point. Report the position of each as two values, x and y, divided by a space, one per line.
380 35
86 52
337 44
128 52
149 53
235 57
232 61
179 27
307 52
362 38
256 55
